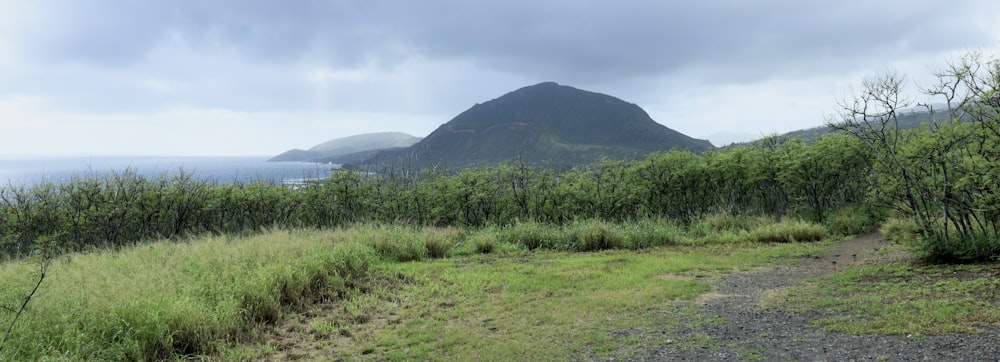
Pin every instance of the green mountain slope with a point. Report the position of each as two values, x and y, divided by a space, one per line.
908 119
547 124
333 150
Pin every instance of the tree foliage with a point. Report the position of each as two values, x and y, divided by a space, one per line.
781 177
942 175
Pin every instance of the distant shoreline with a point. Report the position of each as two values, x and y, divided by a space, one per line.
34 170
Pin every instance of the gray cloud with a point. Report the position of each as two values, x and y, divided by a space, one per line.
571 37
431 59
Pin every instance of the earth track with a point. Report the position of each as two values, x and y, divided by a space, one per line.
744 331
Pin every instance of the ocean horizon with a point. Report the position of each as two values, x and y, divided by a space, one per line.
34 170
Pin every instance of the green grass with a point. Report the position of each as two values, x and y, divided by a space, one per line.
519 292
544 305
901 298
854 220
166 299
726 229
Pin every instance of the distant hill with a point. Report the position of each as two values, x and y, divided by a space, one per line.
908 118
546 124
357 147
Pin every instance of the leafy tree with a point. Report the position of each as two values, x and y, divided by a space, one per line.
827 174
944 175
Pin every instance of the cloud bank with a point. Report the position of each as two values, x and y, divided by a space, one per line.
259 77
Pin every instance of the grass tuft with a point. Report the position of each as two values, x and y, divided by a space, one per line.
439 241
594 235
532 236
788 231
393 242
650 233
484 242
727 223
853 220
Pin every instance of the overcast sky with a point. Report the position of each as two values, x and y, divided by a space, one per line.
197 77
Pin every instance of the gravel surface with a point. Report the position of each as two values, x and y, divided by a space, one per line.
740 330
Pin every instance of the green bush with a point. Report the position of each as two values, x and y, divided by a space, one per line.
957 250
932 247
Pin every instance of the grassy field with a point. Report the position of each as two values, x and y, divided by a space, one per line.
207 295
524 306
397 292
901 298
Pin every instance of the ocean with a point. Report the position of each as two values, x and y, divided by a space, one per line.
28 171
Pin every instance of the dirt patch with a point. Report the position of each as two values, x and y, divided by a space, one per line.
713 296
674 277
331 331
749 332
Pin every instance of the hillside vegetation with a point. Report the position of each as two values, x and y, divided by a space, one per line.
788 179
340 149
546 124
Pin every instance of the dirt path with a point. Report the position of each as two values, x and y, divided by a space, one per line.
749 332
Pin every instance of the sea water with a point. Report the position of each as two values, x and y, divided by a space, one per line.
28 171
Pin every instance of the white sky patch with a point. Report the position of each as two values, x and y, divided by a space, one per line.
180 131
756 109
162 85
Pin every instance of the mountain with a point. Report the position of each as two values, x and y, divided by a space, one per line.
354 146
908 118
546 124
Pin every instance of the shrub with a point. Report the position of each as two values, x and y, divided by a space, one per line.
957 250
931 246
